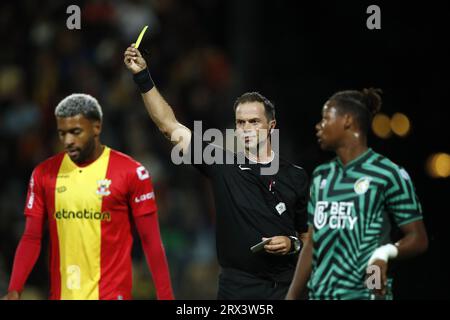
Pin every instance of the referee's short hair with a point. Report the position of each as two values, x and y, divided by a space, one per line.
269 108
79 103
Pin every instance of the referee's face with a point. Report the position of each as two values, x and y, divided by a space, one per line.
331 129
252 125
78 135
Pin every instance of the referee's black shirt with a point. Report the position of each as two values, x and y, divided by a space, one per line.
245 204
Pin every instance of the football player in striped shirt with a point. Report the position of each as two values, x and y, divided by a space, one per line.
355 201
88 196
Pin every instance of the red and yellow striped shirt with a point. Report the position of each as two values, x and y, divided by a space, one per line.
89 209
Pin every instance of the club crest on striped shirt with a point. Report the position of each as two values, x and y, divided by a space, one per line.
362 185
103 187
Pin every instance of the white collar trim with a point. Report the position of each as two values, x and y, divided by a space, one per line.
253 159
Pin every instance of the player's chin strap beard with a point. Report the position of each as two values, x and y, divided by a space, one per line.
87 152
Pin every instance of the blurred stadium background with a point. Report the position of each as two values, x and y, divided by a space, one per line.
202 54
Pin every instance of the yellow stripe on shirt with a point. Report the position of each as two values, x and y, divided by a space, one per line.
78 204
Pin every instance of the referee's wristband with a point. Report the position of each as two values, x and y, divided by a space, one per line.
144 80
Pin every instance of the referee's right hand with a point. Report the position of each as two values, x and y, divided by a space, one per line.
279 245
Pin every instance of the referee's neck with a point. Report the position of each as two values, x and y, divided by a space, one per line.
264 154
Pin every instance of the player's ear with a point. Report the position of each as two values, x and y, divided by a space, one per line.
348 121
97 126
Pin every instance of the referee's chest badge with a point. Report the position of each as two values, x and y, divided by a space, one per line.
281 207
362 185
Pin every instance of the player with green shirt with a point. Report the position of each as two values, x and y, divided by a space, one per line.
354 201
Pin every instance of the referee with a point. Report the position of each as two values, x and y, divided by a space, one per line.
356 200
250 206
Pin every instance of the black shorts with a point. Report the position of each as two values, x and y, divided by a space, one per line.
238 285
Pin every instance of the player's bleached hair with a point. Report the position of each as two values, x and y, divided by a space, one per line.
79 103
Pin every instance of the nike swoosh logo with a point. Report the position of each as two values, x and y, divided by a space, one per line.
244 168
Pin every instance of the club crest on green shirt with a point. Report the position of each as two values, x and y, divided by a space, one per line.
362 185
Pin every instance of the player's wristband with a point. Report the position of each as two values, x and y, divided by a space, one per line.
384 253
144 80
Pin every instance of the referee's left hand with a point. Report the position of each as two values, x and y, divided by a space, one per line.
279 245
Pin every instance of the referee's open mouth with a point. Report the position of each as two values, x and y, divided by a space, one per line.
248 137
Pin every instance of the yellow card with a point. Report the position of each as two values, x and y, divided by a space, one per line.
139 39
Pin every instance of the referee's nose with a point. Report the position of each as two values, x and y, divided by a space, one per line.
247 126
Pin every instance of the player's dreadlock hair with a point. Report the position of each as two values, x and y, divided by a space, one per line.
79 103
363 105
269 108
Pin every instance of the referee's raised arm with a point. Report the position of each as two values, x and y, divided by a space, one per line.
157 107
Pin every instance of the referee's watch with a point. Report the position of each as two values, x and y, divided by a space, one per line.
296 245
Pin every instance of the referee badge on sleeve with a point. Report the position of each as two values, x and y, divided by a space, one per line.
281 207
